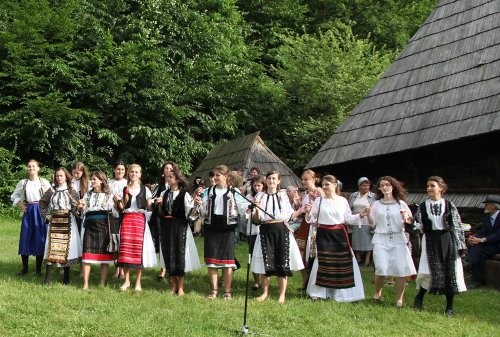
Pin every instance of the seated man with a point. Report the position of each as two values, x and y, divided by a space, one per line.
487 242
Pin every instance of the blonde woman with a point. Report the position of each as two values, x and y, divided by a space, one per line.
136 244
310 182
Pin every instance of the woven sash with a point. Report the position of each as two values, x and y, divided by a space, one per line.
59 238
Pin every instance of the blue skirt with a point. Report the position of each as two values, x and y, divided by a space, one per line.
33 232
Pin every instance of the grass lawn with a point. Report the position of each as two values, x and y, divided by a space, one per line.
27 308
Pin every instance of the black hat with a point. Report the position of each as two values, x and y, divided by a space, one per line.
492 199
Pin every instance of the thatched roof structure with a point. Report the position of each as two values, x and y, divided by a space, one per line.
444 86
246 152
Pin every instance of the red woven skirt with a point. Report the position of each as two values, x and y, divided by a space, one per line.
131 240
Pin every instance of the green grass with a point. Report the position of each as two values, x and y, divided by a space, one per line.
27 308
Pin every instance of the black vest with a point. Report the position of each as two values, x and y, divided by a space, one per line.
141 198
177 209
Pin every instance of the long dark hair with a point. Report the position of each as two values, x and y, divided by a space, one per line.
104 180
182 181
66 173
260 180
118 163
398 191
161 179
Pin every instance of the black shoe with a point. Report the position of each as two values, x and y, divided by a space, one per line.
418 304
448 313
66 276
474 285
22 272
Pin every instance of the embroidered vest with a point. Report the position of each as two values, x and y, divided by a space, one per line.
230 209
447 217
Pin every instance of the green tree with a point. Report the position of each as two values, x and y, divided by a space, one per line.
388 23
144 81
37 117
324 77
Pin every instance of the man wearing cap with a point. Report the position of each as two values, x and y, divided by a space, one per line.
487 242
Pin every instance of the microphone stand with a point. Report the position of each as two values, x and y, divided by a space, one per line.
245 329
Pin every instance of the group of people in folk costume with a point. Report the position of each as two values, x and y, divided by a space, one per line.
320 248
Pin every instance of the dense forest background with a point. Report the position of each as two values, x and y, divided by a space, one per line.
152 80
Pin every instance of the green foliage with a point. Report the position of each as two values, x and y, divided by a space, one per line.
272 20
388 23
11 175
324 76
8 178
153 80
141 81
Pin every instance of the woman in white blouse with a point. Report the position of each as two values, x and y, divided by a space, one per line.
81 184
95 207
63 247
116 186
178 248
310 182
276 253
440 271
335 273
391 254
136 244
220 205
26 196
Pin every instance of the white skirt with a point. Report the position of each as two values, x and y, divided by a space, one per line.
424 274
294 255
393 260
355 293
162 262
192 260
148 249
75 245
312 229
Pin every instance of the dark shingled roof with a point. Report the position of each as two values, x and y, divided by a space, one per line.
246 152
443 86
